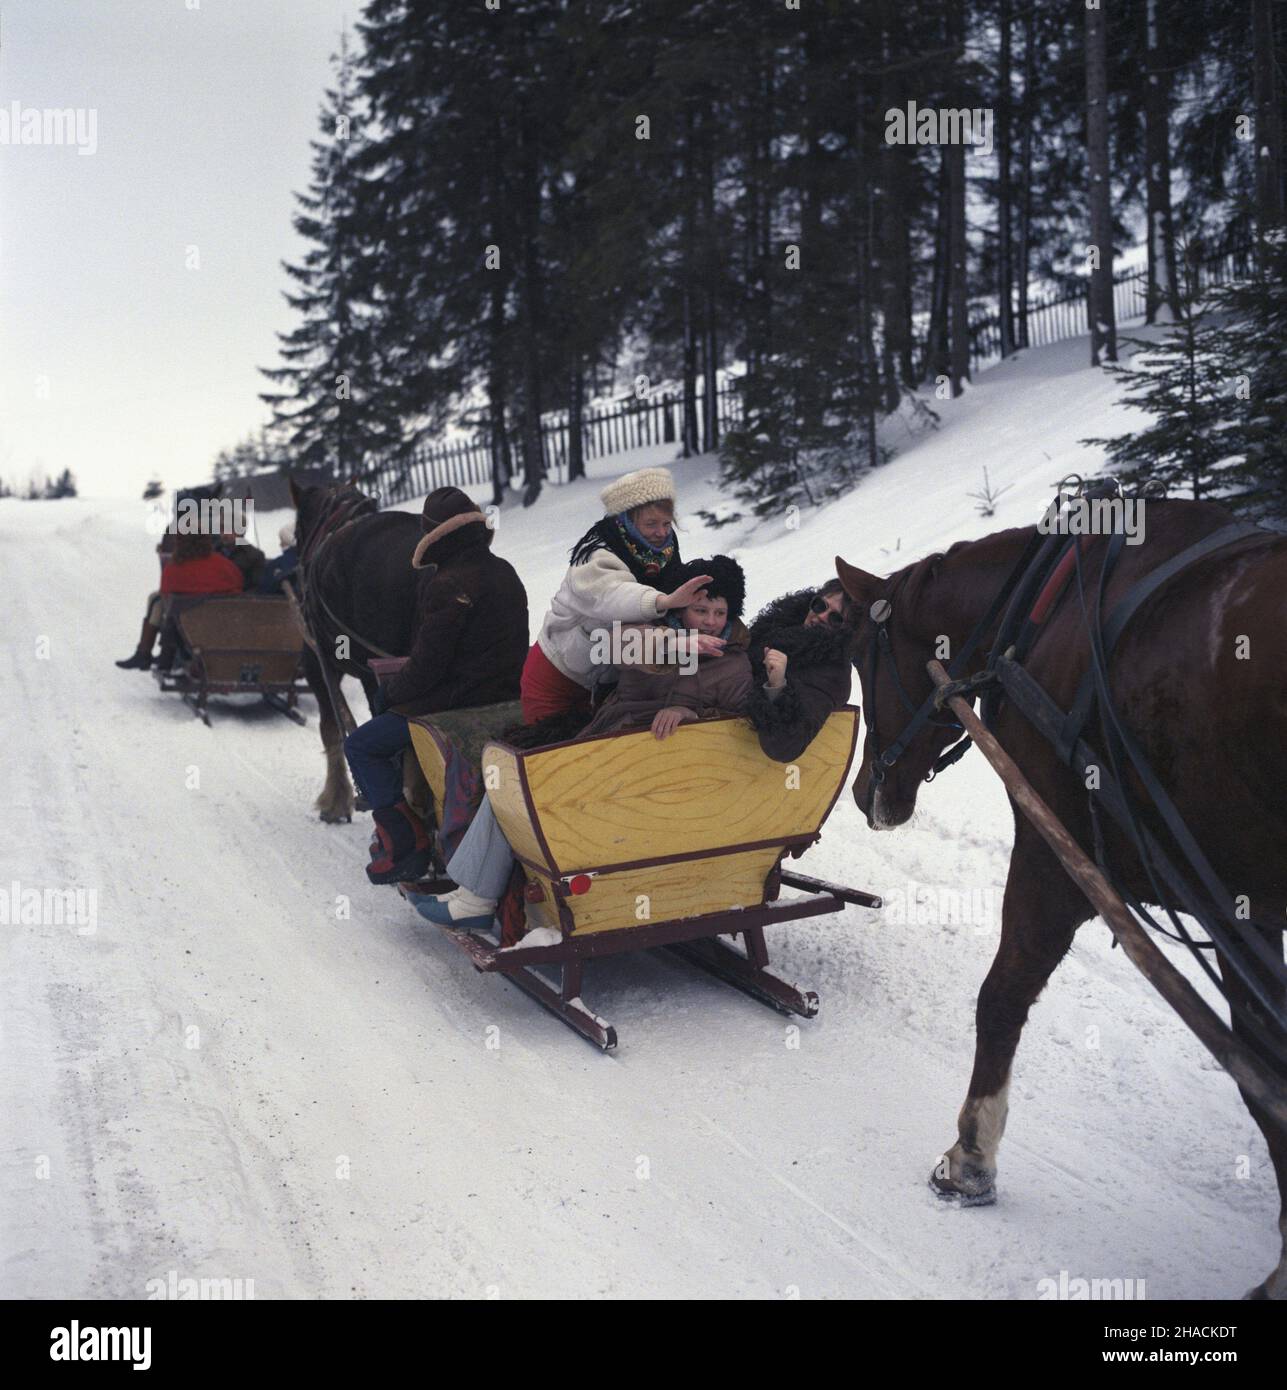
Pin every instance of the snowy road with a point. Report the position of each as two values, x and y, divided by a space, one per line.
226 1079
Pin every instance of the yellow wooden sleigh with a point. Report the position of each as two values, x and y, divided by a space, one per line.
628 842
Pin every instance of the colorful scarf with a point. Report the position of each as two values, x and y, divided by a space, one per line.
658 568
649 559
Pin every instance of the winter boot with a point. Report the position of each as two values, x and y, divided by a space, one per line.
461 909
401 851
142 658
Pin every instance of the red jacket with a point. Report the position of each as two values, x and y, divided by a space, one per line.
212 574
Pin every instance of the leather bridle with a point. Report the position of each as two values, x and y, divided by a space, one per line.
881 617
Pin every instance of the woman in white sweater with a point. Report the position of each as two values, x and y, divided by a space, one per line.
622 571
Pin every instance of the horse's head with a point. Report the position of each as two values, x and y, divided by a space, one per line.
319 506
893 646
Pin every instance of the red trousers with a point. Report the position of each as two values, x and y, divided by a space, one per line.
545 690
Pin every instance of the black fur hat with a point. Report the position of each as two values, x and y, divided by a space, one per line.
727 580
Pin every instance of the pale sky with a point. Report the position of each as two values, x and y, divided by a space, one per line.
116 360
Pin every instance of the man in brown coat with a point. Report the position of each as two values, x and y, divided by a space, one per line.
470 644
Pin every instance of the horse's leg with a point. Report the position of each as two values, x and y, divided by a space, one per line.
1275 1286
1039 915
336 800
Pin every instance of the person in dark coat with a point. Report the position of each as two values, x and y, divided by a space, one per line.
470 644
249 559
282 567
801 654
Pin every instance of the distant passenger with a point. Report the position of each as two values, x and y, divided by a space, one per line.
249 559
284 566
193 568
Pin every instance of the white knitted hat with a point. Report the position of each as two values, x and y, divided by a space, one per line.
286 535
637 489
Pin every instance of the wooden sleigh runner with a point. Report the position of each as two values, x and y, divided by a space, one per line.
628 843
241 644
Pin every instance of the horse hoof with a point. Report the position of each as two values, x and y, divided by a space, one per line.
975 1188
334 818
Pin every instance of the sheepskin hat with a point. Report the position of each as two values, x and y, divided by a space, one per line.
446 509
637 490
727 580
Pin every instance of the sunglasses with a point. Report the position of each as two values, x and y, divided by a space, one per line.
819 605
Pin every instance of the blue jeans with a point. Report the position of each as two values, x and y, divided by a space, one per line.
374 751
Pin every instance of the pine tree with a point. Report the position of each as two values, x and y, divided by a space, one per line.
64 485
1252 364
335 413
1180 382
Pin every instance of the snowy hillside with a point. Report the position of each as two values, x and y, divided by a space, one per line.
225 1080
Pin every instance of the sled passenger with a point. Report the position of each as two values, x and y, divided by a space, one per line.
663 694
801 647
468 650
193 568
657 695
283 567
249 559
624 569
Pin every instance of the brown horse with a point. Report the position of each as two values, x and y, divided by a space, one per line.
360 598
1199 677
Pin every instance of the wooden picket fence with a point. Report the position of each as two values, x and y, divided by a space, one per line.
633 423
1066 314
656 418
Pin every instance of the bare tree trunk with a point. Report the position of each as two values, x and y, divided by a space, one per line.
1005 263
936 355
497 364
691 443
1025 170
895 250
767 206
1269 134
960 326
752 185
496 387
576 416
1103 323
710 268
533 451
869 384
959 368
1160 288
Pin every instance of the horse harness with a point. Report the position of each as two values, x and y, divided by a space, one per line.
1030 594
343 513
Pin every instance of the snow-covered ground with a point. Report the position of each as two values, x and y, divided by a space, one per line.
229 1078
